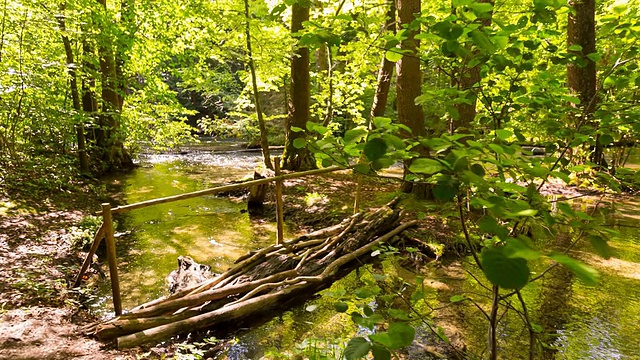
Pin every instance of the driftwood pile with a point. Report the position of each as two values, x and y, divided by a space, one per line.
259 282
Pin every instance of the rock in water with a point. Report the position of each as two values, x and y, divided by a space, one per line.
189 273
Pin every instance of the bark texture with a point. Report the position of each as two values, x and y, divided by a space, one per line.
581 77
409 87
298 116
385 72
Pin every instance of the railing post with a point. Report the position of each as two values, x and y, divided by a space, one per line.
279 206
356 202
111 257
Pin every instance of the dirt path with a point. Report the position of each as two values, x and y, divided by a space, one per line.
38 314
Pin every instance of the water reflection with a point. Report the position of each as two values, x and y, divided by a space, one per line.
213 231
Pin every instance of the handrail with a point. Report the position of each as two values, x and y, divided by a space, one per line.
129 207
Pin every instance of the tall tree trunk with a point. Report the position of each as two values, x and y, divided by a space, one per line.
581 80
408 87
75 95
385 72
293 158
264 141
109 141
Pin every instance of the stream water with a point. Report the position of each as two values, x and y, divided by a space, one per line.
582 322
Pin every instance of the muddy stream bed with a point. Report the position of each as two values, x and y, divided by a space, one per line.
582 322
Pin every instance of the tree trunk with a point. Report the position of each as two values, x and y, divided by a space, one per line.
408 86
75 95
109 142
293 158
385 72
264 141
581 80
466 78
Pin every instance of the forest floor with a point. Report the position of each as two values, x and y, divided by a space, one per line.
40 316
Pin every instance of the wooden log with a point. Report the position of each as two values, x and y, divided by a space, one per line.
87 260
209 295
216 190
209 319
279 204
111 257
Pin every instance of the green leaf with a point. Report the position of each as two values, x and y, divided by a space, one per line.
427 166
362 168
357 348
595 57
399 335
442 335
402 334
445 190
381 122
394 141
354 135
508 273
503 134
380 352
299 143
576 47
367 310
490 225
398 314
483 42
606 139
375 148
393 55
587 274
497 148
477 169
457 298
341 306
601 246
481 7
525 212
366 292
382 163
296 129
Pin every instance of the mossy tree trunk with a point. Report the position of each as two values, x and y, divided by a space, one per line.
109 139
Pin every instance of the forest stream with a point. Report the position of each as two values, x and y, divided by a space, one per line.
582 322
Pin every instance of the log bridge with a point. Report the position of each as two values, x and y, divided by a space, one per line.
260 281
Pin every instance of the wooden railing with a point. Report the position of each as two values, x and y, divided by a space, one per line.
106 230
